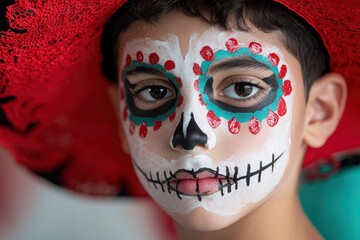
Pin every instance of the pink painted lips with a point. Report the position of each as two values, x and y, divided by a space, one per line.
205 182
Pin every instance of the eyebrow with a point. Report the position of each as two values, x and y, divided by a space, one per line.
237 62
145 70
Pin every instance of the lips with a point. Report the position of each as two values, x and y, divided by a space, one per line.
204 182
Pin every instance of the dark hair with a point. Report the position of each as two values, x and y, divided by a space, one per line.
299 38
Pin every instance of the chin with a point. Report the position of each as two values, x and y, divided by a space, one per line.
201 220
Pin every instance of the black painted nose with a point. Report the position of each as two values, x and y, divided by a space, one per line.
194 135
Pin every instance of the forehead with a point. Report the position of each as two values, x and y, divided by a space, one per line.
185 27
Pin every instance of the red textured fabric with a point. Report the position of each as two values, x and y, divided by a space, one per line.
338 23
55 115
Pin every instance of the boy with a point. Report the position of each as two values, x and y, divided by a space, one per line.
218 102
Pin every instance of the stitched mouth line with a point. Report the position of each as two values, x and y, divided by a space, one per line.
231 181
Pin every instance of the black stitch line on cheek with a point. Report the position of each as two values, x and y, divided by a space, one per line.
158 179
221 187
197 190
235 177
272 163
228 179
248 175
217 172
259 177
152 180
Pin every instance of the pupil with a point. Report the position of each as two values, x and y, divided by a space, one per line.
243 90
158 92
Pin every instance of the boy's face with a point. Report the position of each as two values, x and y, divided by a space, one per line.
208 116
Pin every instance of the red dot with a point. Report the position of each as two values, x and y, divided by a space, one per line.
125 114
181 100
213 120
154 58
169 65
157 126
132 128
255 47
286 87
179 82
143 130
172 117
282 107
197 69
139 56
232 45
207 53
196 85
272 119
274 59
128 60
254 126
283 71
234 126
201 100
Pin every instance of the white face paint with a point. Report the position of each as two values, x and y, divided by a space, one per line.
245 154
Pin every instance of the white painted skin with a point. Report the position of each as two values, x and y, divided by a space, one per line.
152 155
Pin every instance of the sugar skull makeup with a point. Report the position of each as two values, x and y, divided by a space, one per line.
208 128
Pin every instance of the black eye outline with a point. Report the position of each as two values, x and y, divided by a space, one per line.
270 98
164 109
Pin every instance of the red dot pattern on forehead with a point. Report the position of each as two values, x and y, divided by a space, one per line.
254 126
128 60
283 71
282 107
169 65
207 53
274 59
143 130
139 56
255 47
213 120
154 58
234 126
272 119
232 45
157 125
197 69
287 88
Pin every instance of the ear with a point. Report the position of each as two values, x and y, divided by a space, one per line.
114 97
326 102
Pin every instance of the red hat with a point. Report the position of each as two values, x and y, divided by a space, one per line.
55 115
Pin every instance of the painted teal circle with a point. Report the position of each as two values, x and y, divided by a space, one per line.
150 121
240 116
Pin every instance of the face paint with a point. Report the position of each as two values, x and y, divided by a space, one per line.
245 145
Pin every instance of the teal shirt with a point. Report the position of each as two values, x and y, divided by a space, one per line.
333 204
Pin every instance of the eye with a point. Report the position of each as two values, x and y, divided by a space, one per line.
150 94
154 93
240 90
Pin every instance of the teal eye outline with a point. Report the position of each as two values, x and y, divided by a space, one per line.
150 121
240 116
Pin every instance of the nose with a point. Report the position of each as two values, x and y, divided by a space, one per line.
192 137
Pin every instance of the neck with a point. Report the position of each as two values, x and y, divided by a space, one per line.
279 217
